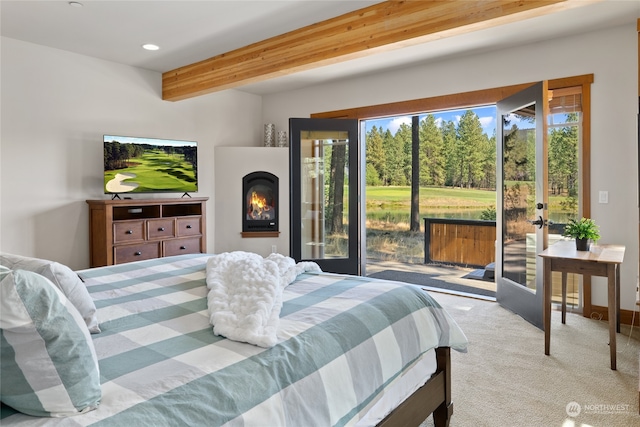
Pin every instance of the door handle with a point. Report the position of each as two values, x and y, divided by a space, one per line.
539 222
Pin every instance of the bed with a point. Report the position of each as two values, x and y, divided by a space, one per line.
351 351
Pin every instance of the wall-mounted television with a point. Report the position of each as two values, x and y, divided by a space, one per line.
149 165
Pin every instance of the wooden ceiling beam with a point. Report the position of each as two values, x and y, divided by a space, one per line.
380 27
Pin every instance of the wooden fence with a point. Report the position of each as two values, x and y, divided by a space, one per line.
469 243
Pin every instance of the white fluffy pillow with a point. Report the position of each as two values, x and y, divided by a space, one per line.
64 278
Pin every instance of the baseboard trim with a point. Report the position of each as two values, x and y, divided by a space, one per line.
625 315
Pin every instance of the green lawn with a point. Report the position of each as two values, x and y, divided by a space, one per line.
454 196
385 203
393 204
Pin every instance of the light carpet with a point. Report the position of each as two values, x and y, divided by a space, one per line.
505 379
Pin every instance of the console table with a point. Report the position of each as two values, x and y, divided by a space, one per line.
601 260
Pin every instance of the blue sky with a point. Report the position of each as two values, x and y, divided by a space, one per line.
486 114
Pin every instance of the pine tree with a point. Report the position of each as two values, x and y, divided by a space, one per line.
489 163
394 156
449 139
432 160
403 137
375 152
563 160
469 149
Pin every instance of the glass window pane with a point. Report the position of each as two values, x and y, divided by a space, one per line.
564 191
324 194
519 169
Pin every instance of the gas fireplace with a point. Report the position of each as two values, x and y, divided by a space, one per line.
260 202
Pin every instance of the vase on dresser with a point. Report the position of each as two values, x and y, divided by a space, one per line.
269 135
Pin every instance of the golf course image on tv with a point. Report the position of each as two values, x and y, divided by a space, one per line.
149 165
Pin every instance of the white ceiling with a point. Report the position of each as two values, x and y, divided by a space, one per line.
190 31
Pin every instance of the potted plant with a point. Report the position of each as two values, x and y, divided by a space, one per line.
584 231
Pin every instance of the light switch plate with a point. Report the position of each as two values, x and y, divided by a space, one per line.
603 197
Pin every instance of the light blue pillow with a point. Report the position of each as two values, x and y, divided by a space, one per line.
48 363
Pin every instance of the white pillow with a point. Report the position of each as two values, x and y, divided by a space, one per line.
64 278
48 363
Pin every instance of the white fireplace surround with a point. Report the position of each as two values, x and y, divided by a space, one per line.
231 165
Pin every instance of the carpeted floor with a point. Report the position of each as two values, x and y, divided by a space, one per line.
423 279
505 379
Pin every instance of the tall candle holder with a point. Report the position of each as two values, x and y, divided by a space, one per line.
282 138
269 135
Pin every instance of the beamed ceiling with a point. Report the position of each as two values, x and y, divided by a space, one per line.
271 46
381 27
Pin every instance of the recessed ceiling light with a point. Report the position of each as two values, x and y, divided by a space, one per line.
75 4
150 46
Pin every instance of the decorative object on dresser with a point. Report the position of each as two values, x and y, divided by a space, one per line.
282 138
269 135
128 230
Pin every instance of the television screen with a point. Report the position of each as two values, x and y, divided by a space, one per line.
149 165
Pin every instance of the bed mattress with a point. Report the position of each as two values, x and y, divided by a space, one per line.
343 343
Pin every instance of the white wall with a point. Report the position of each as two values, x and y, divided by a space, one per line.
611 55
56 106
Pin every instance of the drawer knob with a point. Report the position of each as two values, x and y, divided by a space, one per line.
161 229
183 247
188 225
138 253
129 231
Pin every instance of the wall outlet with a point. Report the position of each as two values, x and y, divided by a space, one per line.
274 249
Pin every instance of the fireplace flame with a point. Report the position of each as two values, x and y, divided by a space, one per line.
259 208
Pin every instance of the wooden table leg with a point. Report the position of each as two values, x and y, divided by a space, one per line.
612 303
618 298
546 295
586 292
564 297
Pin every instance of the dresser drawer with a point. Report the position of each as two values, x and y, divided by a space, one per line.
129 253
160 228
128 231
182 246
189 226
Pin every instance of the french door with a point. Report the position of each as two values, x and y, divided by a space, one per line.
522 192
324 166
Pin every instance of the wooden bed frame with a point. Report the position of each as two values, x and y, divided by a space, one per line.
434 397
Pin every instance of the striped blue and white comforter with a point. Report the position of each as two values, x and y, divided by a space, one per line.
342 340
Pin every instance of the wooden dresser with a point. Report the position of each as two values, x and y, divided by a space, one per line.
128 230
